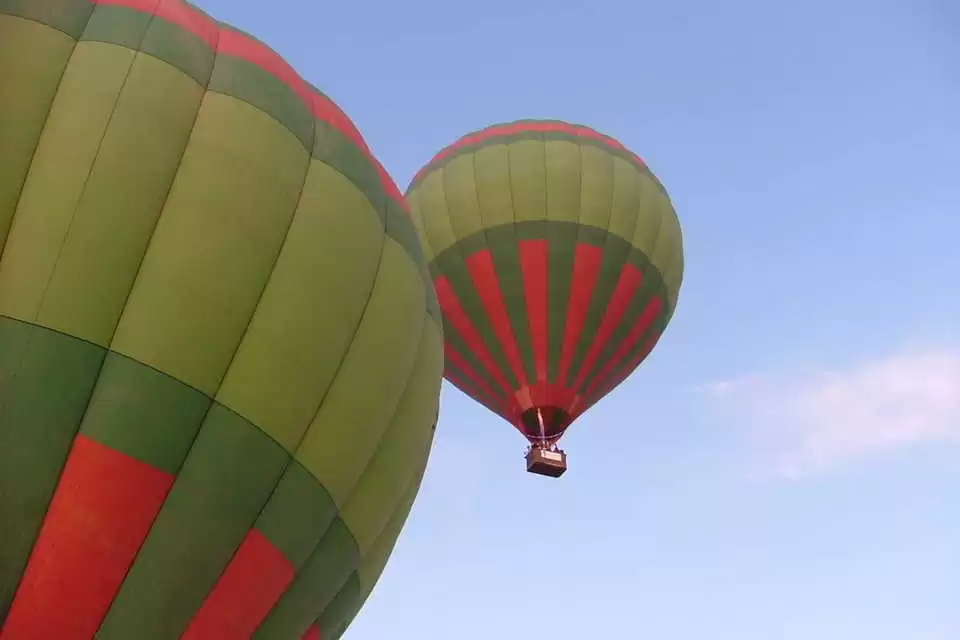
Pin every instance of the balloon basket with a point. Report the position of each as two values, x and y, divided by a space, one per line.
546 462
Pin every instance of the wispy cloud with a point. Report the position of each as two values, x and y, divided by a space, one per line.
808 423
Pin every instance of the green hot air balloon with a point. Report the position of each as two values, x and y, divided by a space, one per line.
557 258
220 351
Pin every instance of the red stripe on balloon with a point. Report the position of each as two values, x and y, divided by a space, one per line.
460 321
249 587
101 512
176 12
476 394
533 126
487 284
627 285
460 364
533 264
622 374
313 633
638 330
586 268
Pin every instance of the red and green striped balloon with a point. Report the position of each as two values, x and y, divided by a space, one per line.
557 258
220 349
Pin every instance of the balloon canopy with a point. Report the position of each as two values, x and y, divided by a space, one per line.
557 258
220 349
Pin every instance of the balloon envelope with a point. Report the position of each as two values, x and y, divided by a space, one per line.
557 259
220 351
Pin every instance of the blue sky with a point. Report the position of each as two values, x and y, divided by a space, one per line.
786 465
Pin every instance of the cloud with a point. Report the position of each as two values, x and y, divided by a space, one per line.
809 423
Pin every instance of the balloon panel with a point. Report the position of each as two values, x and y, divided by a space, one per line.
557 259
220 350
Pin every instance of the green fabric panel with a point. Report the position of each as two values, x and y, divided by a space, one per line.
454 269
649 217
229 474
668 255
596 208
68 16
414 203
372 563
623 219
596 187
117 25
652 284
492 176
492 184
298 515
460 191
403 231
248 204
178 47
371 566
431 202
251 83
456 342
345 156
550 136
561 252
615 255
144 414
32 60
658 326
561 246
528 179
638 303
563 183
364 395
58 174
337 615
236 77
315 585
502 242
402 452
309 311
46 379
626 199
562 159
121 201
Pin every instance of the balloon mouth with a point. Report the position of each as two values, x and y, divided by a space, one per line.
544 424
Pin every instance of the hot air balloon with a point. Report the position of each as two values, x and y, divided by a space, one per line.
557 259
220 350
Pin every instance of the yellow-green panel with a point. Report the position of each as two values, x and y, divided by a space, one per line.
460 188
215 244
528 179
563 180
373 562
668 255
119 207
673 279
310 310
403 451
32 60
413 203
649 217
364 396
626 199
434 215
493 185
596 188
58 174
